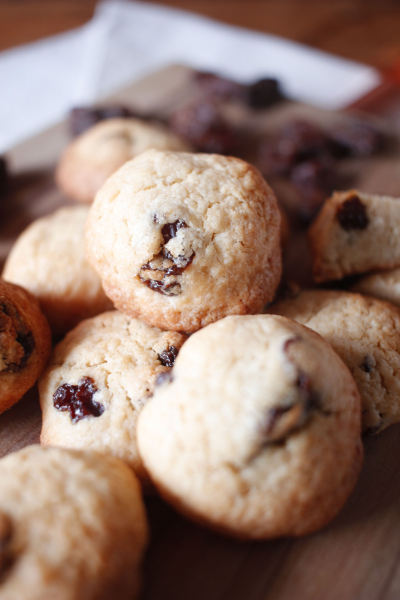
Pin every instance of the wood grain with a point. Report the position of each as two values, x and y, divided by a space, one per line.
357 557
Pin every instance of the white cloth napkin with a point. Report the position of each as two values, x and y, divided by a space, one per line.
127 40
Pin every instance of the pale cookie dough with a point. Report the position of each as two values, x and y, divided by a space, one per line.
384 285
182 240
98 379
258 429
25 343
354 233
94 155
365 332
48 259
72 526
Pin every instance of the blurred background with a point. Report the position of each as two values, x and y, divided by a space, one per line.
363 30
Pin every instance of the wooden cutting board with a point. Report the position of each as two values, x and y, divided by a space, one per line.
358 555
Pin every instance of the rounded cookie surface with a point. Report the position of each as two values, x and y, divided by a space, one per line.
25 343
48 259
72 526
98 379
384 285
94 155
365 332
258 429
182 240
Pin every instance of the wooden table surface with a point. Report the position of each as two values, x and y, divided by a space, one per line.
364 30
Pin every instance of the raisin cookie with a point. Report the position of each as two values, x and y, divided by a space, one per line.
384 285
25 343
182 240
365 332
99 378
94 155
48 259
355 233
257 428
72 526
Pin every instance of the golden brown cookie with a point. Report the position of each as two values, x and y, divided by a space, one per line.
98 380
94 155
25 343
257 428
48 259
72 526
181 240
365 332
354 233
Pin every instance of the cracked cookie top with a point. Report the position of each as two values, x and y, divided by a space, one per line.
182 240
99 378
365 332
258 428
98 152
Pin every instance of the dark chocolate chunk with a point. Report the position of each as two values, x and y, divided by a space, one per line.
263 93
352 214
203 126
16 339
168 356
169 230
78 399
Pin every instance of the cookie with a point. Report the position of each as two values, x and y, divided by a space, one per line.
25 343
98 379
384 285
72 526
355 233
257 428
94 155
48 259
365 332
182 240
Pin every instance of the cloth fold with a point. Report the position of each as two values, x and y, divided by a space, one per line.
126 40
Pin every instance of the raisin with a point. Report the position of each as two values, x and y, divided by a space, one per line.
16 339
169 230
157 273
216 87
263 93
4 179
296 142
78 399
356 138
202 125
168 356
352 214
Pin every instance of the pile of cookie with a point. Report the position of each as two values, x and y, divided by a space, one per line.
172 372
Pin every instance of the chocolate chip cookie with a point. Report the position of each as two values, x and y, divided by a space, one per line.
257 428
181 240
72 526
25 343
365 332
94 155
48 259
99 378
